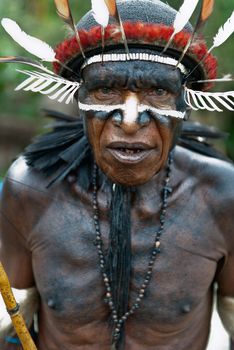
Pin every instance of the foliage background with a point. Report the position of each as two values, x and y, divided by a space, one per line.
39 18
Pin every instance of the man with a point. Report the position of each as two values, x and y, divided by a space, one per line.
125 249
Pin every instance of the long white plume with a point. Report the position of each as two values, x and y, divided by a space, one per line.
31 44
182 17
100 12
224 32
184 14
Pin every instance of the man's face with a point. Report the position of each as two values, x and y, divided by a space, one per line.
131 144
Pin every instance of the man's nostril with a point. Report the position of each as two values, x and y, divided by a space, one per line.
117 118
144 118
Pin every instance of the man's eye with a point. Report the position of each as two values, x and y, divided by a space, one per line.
104 93
106 90
160 92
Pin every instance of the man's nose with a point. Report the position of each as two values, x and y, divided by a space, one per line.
129 120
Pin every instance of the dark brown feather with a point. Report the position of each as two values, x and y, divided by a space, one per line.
64 12
112 8
206 11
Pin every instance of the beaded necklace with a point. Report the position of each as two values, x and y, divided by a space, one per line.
118 323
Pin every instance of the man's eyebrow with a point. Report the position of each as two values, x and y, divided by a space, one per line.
113 79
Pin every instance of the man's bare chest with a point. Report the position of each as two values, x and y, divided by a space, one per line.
63 246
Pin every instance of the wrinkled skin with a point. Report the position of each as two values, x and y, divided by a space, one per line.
50 241
149 84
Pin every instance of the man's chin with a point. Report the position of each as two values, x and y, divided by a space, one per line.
128 177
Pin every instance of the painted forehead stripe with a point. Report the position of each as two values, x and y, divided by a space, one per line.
141 108
137 56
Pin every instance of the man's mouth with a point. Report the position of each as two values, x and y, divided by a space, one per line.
129 152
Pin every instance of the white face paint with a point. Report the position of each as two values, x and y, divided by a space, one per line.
131 109
129 115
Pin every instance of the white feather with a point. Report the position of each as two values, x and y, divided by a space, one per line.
100 12
208 100
62 89
182 17
184 14
31 44
224 32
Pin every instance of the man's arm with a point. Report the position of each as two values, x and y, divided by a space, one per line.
225 277
15 255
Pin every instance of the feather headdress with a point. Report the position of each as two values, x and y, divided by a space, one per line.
64 12
223 34
183 16
207 7
102 10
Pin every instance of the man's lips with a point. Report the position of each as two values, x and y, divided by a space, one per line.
126 152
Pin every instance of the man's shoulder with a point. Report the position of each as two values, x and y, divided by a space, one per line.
23 180
213 173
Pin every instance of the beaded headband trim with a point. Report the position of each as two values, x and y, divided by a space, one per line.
116 57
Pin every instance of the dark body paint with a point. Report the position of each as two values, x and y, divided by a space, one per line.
54 229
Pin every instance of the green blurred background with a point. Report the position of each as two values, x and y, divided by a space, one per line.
20 116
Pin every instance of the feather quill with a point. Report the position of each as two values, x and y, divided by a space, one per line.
205 12
27 61
64 12
182 17
102 10
113 11
31 44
